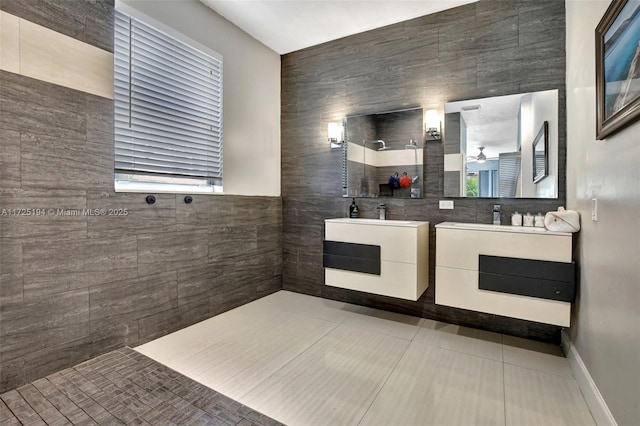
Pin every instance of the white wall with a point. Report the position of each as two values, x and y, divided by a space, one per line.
251 90
526 187
393 157
606 323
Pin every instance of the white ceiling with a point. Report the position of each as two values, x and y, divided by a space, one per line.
289 25
494 125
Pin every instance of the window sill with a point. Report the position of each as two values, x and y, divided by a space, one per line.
166 188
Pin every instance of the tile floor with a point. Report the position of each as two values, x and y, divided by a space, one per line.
122 387
303 360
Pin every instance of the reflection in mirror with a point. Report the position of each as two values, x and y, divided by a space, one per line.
488 146
540 158
385 154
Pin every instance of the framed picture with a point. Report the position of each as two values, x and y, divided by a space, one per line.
618 67
540 149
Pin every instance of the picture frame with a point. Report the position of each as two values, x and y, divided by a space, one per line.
617 68
540 153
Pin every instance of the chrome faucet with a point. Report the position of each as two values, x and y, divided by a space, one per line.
496 214
382 209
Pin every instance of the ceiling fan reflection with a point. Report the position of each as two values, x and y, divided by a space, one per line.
480 158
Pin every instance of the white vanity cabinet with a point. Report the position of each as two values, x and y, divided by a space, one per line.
511 271
386 257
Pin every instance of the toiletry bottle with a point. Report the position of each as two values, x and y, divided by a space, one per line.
353 209
516 219
539 220
527 220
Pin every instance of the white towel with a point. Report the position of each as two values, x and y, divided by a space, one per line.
562 220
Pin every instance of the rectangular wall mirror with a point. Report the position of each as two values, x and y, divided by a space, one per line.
489 146
384 154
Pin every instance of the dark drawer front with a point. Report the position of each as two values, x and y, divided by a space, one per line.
351 257
525 277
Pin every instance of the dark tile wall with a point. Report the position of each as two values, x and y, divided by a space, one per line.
489 48
74 286
90 21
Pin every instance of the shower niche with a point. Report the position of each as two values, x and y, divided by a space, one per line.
384 154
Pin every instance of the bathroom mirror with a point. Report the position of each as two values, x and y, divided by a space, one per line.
384 154
490 147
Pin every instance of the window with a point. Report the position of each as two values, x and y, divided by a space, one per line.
168 112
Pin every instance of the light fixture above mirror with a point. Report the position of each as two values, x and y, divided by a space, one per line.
335 132
432 125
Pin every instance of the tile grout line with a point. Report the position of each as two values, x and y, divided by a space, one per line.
380 333
463 353
14 412
89 397
385 381
504 384
239 399
46 399
336 325
67 396
548 373
29 403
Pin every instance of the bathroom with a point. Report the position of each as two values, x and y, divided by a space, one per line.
76 287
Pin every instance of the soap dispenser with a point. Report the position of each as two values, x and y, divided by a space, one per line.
353 209
527 220
516 219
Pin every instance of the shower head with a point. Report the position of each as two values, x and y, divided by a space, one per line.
413 144
383 147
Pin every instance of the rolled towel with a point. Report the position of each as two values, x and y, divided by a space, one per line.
562 220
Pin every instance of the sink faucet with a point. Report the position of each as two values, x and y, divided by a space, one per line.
382 209
496 214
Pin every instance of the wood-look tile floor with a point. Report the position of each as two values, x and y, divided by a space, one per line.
122 387
304 361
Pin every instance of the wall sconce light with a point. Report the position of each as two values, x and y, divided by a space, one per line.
432 125
335 132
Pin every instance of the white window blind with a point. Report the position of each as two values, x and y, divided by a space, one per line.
168 108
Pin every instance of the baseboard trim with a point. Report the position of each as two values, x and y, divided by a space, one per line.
595 401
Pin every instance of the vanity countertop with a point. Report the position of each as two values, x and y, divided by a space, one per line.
499 228
404 223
